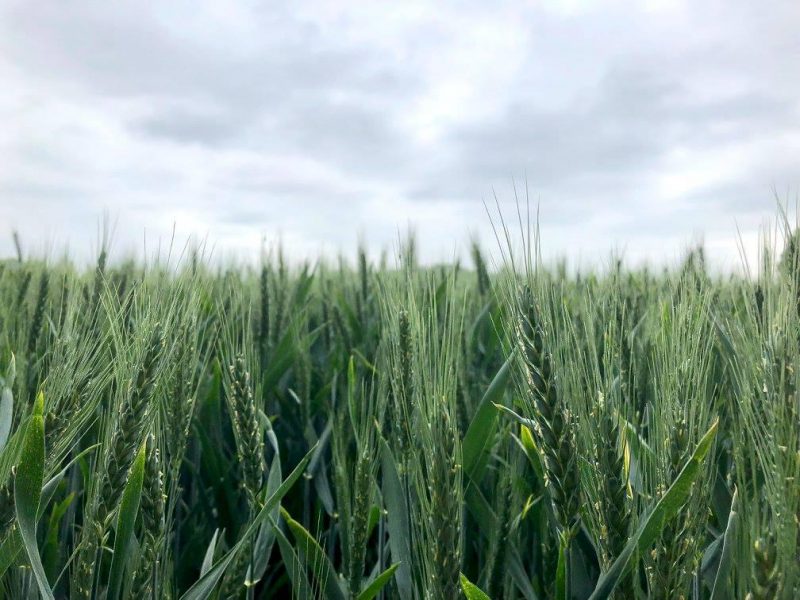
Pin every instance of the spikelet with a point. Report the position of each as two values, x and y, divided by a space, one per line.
82 580
38 314
552 421
403 386
250 441
263 322
22 291
179 409
129 431
484 283
359 517
152 515
766 578
444 480
99 276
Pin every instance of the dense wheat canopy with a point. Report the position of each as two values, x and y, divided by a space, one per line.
198 430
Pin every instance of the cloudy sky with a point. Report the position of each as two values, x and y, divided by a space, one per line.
639 126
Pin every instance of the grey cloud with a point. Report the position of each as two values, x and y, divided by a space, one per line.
601 151
573 151
127 53
300 94
360 140
189 125
634 119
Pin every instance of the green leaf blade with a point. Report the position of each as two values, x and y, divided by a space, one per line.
472 591
27 495
397 522
481 429
374 588
721 584
126 520
315 558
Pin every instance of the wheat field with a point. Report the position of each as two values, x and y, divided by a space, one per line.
353 430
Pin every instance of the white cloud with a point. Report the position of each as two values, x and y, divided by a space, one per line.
638 126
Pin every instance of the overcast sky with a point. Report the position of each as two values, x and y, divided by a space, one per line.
641 126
